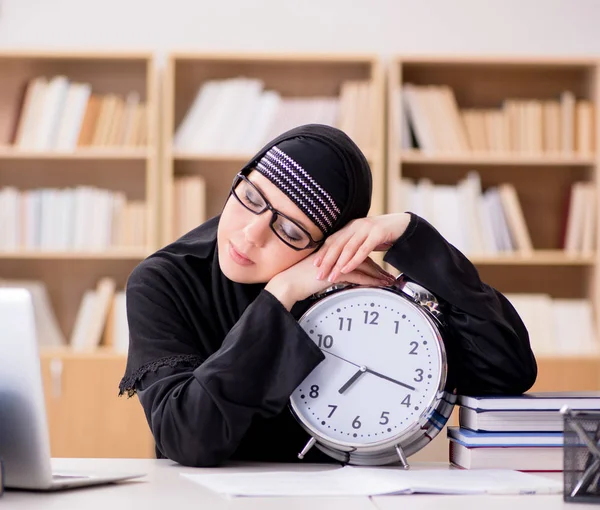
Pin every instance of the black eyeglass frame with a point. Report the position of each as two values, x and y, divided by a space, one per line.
241 177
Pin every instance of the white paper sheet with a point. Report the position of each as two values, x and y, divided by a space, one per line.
371 481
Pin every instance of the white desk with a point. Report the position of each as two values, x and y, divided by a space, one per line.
164 489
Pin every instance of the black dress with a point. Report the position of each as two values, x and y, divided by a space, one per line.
214 362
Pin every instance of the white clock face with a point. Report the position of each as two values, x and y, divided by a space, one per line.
382 367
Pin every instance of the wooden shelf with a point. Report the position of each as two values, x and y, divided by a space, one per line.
300 75
11 153
418 158
114 254
538 258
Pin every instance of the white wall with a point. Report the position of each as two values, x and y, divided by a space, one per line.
559 27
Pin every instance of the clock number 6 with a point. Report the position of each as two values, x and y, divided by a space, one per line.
356 424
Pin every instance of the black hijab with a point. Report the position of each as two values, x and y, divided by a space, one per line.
189 268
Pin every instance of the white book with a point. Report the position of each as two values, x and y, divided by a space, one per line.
80 334
69 125
186 133
29 122
267 108
52 111
418 118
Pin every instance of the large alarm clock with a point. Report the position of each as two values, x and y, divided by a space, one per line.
380 394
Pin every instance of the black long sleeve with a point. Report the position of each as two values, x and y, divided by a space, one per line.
198 417
488 347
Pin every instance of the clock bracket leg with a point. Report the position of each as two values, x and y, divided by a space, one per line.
311 442
402 457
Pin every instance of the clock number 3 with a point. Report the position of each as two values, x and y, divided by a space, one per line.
419 377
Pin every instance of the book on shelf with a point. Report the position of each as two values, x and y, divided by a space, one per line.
580 236
59 114
101 319
495 218
239 115
82 218
436 124
557 326
189 199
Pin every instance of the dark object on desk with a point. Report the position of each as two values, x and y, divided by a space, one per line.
1 477
581 456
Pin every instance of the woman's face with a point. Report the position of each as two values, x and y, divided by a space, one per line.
249 251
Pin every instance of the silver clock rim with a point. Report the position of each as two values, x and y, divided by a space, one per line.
424 417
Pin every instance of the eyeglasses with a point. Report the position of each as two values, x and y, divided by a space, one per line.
285 228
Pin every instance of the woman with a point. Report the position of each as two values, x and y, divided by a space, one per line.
215 347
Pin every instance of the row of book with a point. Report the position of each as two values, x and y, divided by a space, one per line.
557 327
84 218
432 121
57 114
523 433
101 317
492 221
239 115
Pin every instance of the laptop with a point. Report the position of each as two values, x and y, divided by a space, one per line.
24 438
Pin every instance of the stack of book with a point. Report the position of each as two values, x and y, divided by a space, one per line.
524 433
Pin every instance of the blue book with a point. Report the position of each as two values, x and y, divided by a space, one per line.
550 401
472 439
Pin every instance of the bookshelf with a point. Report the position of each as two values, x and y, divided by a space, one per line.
292 77
85 417
541 173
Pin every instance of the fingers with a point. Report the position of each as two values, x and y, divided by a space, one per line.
360 278
369 267
331 252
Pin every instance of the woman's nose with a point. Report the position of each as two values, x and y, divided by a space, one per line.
258 229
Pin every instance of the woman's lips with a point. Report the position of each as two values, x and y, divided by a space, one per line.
238 257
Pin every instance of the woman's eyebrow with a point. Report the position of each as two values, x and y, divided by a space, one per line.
269 200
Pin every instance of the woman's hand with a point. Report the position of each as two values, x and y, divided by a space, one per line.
345 250
300 280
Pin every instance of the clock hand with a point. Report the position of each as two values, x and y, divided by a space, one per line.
352 379
390 379
343 359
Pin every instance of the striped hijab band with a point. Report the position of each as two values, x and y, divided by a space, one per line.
300 187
